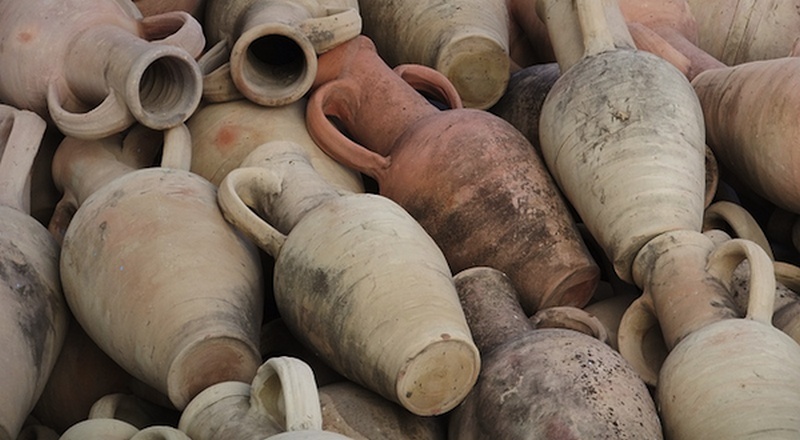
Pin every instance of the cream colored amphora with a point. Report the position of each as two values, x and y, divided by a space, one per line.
357 279
266 50
723 376
621 131
33 313
151 269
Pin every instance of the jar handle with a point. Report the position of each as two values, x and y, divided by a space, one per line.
240 190
175 28
336 27
637 330
21 133
285 389
331 99
215 67
720 214
110 116
571 318
761 296
427 80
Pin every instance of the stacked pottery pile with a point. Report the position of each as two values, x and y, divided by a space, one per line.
424 219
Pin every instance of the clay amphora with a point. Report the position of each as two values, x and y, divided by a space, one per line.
626 146
522 103
544 383
471 179
224 133
357 280
737 32
33 313
755 145
91 67
281 398
465 40
268 48
360 414
151 269
755 384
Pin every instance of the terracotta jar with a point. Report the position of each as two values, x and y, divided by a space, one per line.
268 48
33 313
96 67
687 280
151 269
282 398
540 382
755 145
224 133
621 132
468 177
467 41
357 280
737 32
360 414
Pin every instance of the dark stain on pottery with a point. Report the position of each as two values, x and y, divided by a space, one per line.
32 294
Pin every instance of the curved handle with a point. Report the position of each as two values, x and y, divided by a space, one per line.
331 99
240 190
428 80
175 28
571 318
325 33
22 133
722 214
285 389
761 298
218 85
637 339
109 117
177 152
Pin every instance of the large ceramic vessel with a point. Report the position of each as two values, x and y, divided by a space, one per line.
151 269
542 379
737 32
96 67
750 115
357 279
466 40
470 178
224 133
33 313
622 133
268 49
